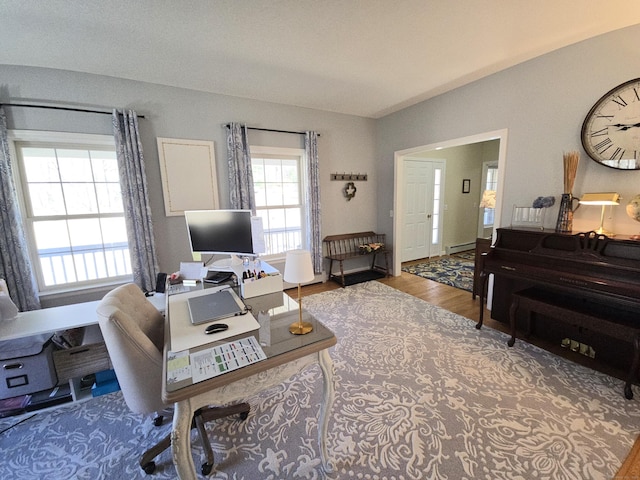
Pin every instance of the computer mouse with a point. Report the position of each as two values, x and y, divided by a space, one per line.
216 327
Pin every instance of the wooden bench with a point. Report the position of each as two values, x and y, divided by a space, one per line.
343 247
597 317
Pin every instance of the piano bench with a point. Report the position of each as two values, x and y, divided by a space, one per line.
598 317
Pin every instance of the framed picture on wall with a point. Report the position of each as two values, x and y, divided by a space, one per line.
188 171
466 185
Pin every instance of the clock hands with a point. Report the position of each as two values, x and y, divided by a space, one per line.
623 127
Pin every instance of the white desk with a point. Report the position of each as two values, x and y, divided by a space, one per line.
56 319
287 354
39 325
49 320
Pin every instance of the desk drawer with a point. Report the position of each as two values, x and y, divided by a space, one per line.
81 361
27 374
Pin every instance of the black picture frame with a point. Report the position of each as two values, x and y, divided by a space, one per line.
466 185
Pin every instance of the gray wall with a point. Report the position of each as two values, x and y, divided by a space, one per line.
346 143
542 103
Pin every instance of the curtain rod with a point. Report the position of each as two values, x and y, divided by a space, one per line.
52 107
272 130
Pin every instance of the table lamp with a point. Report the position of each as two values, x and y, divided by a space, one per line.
603 199
488 199
299 269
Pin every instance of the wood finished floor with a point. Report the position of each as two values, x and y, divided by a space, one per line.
461 302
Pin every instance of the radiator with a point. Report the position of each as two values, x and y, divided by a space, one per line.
462 247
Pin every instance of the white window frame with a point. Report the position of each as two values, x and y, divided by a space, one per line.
57 140
491 183
302 171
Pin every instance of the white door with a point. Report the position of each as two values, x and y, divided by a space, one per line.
423 182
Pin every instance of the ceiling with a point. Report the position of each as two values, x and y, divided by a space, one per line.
360 57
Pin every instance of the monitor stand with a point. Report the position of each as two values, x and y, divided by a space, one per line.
226 264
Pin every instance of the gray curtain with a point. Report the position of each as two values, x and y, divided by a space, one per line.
241 192
133 183
15 264
313 200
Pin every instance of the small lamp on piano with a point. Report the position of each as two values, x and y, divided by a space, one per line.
601 199
488 199
299 269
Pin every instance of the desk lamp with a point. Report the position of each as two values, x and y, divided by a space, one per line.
603 199
299 269
488 199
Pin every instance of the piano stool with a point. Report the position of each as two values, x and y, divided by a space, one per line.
598 317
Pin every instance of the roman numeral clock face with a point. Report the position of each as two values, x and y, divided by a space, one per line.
611 129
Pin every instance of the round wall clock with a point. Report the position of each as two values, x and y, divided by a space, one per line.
611 129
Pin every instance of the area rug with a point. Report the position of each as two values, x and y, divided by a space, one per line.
456 271
420 394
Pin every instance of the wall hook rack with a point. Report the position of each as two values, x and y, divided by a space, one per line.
349 177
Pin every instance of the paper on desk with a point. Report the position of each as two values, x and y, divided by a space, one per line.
224 358
257 235
178 367
192 270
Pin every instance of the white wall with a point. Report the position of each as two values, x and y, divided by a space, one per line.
346 143
542 103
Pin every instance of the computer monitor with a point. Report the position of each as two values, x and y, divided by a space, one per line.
220 232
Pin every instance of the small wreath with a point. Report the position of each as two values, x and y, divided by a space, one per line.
350 190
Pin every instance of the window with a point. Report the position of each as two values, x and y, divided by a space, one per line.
491 184
279 191
72 207
437 194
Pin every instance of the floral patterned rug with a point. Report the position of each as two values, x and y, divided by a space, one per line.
420 394
456 271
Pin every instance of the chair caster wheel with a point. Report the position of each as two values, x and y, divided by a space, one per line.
206 468
149 468
244 415
158 420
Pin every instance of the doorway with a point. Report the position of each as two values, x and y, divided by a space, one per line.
422 188
399 201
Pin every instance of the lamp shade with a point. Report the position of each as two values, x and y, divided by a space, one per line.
298 267
609 198
488 199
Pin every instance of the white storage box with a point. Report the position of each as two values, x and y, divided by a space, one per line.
27 366
256 286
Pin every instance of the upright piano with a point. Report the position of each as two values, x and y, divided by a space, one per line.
587 272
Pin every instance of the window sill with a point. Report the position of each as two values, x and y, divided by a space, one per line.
54 298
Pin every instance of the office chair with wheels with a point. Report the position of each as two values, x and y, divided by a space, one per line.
133 331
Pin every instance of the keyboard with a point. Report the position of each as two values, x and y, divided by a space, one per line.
177 288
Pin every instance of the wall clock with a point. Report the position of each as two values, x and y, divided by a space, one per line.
611 130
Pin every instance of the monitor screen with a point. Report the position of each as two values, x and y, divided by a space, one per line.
220 231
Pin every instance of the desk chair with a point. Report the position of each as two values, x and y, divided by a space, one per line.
133 331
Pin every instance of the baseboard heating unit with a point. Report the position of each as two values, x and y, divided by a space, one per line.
462 247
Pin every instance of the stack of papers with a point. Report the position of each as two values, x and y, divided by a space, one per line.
213 361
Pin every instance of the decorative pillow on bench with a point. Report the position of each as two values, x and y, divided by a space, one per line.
371 247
